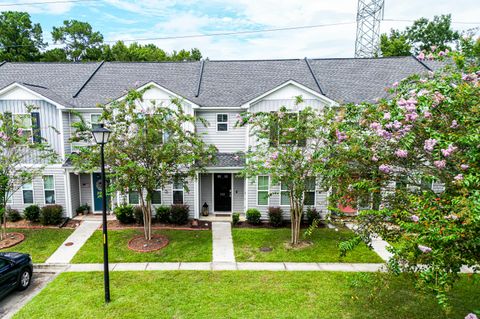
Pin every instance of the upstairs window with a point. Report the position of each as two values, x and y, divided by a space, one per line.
178 192
285 130
27 191
49 189
95 120
222 122
25 121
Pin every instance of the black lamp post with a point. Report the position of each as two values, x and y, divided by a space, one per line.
101 136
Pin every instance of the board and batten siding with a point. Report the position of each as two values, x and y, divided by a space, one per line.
230 141
74 192
39 193
274 200
50 125
238 194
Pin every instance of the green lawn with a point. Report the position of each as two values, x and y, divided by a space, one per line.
243 294
248 241
184 245
39 243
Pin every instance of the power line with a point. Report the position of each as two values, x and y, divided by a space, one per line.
453 22
42 2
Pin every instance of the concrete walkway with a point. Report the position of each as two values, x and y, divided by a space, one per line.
65 253
378 244
222 243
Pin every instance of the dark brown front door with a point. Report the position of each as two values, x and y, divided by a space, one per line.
222 192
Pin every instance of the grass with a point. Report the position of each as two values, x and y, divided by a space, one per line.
248 241
243 294
39 243
184 245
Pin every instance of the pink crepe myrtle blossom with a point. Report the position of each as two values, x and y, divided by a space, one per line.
340 136
421 56
423 92
389 125
274 155
441 53
384 168
458 177
291 129
397 125
375 126
374 158
430 56
424 249
471 316
429 144
415 218
433 48
464 167
440 164
449 150
411 117
454 124
401 153
387 116
20 132
427 114
395 84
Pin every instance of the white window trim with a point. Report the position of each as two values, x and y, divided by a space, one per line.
33 195
91 120
54 192
217 122
268 191
31 123
178 190
280 192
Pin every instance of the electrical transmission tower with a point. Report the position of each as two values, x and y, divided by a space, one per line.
369 15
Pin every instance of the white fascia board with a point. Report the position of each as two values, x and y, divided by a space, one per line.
23 87
290 82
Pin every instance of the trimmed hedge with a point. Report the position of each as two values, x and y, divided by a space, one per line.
179 214
32 213
312 214
124 214
163 214
51 215
275 215
13 215
253 216
235 218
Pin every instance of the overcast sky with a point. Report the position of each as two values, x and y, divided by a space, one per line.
129 19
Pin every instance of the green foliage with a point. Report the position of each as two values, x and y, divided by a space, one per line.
83 209
138 214
253 216
124 214
20 39
163 214
32 213
13 215
235 218
309 231
395 44
179 214
51 215
312 215
275 216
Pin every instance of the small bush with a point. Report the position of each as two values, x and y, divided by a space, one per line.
275 215
32 213
138 214
163 214
51 215
253 216
179 214
312 214
83 209
235 218
13 215
124 214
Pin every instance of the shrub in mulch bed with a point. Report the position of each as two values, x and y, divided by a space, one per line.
138 214
163 214
179 214
312 214
11 240
13 215
51 215
32 213
253 216
141 245
124 214
275 215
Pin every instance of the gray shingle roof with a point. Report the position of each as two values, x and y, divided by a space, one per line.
224 83
229 160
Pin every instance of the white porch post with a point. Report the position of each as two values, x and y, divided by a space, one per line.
68 198
196 197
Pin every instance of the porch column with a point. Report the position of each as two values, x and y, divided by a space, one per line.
196 197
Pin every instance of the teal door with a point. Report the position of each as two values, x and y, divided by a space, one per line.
97 192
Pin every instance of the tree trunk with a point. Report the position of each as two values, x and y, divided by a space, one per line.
296 210
147 215
3 232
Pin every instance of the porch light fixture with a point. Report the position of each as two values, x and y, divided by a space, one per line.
101 136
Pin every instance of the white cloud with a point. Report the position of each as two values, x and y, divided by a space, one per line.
50 8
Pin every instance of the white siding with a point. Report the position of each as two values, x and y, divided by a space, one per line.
230 141
86 190
238 194
205 190
74 192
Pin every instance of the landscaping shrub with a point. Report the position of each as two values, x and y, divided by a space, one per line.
235 218
163 214
138 214
275 215
83 209
312 214
32 213
124 214
51 215
253 216
13 215
179 214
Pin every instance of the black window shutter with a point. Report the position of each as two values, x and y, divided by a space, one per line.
37 135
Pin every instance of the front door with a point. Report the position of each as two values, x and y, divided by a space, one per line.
97 192
222 192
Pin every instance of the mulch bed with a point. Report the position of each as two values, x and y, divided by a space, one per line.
141 245
12 240
29 225
267 225
201 225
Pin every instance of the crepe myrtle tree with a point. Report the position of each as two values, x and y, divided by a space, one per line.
151 145
289 149
385 156
20 139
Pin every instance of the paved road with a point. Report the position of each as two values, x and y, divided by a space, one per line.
17 299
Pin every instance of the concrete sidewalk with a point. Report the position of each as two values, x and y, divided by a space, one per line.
64 254
222 242
378 244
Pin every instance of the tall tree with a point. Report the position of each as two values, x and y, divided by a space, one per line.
79 40
289 149
20 39
422 35
20 138
159 146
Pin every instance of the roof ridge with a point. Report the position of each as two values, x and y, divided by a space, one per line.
2 63
88 80
364 58
314 76
421 62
